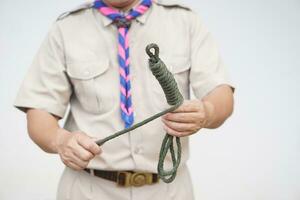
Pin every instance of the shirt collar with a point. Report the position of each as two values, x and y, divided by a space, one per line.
141 19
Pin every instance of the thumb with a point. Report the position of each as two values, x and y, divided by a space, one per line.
89 144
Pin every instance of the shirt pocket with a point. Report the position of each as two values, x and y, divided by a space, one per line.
179 66
85 78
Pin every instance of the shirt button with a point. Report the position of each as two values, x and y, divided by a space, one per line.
137 150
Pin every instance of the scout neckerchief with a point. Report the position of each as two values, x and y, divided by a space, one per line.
123 23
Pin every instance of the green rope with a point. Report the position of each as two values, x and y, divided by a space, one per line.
175 99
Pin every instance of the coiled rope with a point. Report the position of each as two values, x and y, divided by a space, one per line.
175 99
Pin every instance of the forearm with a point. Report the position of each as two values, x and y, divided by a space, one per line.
75 149
43 129
218 106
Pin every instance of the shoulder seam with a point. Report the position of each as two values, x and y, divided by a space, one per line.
173 3
77 9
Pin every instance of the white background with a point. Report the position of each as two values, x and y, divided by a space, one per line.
255 155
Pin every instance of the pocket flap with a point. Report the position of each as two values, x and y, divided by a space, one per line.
176 64
87 70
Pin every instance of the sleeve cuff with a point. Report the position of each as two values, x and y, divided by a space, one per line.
209 85
55 109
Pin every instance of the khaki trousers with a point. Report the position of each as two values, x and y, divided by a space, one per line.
79 185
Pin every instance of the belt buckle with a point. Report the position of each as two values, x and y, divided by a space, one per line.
123 178
136 179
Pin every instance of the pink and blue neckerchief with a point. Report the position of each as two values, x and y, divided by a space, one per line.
123 24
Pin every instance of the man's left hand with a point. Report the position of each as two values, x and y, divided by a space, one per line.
188 118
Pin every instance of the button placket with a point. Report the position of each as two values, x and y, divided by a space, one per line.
135 135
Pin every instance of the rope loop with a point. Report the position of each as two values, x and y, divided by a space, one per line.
153 57
174 97
167 145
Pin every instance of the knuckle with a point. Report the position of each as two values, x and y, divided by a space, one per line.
85 164
66 154
167 128
90 145
69 164
163 120
68 160
85 158
175 133
172 132
97 150
77 164
180 134
88 156
80 166
171 116
69 145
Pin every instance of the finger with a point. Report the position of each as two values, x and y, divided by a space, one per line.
87 143
76 160
175 133
82 153
189 106
72 165
190 117
181 127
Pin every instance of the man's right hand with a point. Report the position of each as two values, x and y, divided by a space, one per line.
76 149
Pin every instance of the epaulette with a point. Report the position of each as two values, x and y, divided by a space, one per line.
173 3
77 9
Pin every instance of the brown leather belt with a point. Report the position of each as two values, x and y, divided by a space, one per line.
126 178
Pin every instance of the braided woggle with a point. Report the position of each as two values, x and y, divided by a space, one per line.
174 97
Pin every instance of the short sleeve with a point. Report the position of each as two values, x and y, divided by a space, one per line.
46 85
207 68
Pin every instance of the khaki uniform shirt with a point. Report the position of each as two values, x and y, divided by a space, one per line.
77 65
